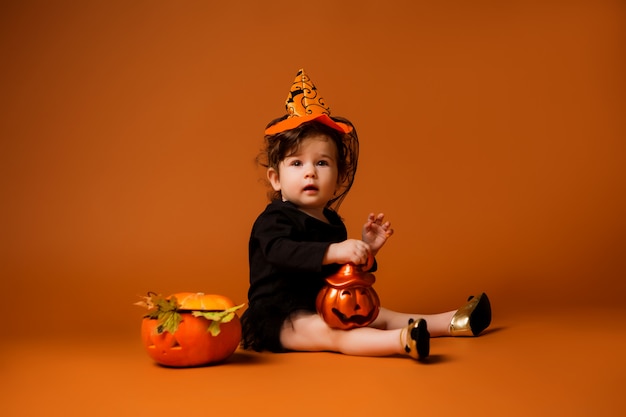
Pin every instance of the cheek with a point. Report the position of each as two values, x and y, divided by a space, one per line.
331 178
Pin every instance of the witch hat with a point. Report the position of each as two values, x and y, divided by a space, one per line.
304 104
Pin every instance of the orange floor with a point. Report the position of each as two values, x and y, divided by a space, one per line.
569 363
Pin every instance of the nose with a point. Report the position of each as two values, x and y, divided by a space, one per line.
310 171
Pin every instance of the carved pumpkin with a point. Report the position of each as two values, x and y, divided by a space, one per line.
190 329
348 299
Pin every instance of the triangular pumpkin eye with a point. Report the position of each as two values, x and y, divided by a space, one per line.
176 345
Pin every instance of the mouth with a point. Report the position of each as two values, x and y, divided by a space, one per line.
310 188
356 318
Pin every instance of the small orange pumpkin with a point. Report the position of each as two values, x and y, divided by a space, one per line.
190 329
348 299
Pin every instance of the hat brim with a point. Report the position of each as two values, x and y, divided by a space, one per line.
293 122
365 279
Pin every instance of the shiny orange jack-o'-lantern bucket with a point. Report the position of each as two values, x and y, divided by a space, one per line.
348 299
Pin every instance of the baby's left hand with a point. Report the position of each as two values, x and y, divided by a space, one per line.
376 231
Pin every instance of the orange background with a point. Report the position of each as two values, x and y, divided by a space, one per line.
492 136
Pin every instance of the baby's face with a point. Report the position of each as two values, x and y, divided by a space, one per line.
308 176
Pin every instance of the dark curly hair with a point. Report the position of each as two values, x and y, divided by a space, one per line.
278 146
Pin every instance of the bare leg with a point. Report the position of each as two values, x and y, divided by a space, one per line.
438 324
309 332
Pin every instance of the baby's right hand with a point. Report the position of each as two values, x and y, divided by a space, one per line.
351 251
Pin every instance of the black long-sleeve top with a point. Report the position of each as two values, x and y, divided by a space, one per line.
286 250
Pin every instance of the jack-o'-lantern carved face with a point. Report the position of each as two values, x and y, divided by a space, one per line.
348 300
192 343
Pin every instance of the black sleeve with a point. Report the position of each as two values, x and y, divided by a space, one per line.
280 241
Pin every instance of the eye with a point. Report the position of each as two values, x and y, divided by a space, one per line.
323 163
295 163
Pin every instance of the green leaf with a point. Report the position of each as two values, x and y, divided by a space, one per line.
214 328
169 321
217 317
164 310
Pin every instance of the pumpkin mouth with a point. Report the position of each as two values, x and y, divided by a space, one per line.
356 319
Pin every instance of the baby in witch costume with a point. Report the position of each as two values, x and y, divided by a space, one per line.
299 239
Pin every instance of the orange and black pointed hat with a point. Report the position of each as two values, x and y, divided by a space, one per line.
304 104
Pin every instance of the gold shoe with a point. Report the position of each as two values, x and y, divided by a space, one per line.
416 339
472 318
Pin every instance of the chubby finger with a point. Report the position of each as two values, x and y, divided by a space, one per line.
377 219
359 259
363 254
